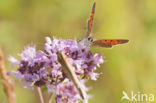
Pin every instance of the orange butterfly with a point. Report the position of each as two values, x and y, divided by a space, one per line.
90 41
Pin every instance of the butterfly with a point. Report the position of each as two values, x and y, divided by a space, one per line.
90 41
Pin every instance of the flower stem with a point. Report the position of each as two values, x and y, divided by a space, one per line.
50 98
40 94
8 85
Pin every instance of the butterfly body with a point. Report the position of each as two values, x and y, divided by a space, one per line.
87 41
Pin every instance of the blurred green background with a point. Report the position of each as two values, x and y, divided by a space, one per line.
129 67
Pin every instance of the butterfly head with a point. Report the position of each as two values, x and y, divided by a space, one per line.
87 41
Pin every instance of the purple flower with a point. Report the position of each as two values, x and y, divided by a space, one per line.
14 61
42 68
28 54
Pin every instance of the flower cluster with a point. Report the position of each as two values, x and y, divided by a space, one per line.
42 68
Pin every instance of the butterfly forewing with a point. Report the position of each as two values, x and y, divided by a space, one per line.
90 21
108 43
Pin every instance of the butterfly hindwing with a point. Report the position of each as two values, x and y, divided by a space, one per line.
108 43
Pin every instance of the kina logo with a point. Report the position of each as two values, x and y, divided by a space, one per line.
138 97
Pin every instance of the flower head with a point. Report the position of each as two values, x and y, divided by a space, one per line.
42 68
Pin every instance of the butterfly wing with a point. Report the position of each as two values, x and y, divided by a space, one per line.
108 43
90 21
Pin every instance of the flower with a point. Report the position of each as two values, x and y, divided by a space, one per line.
42 68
